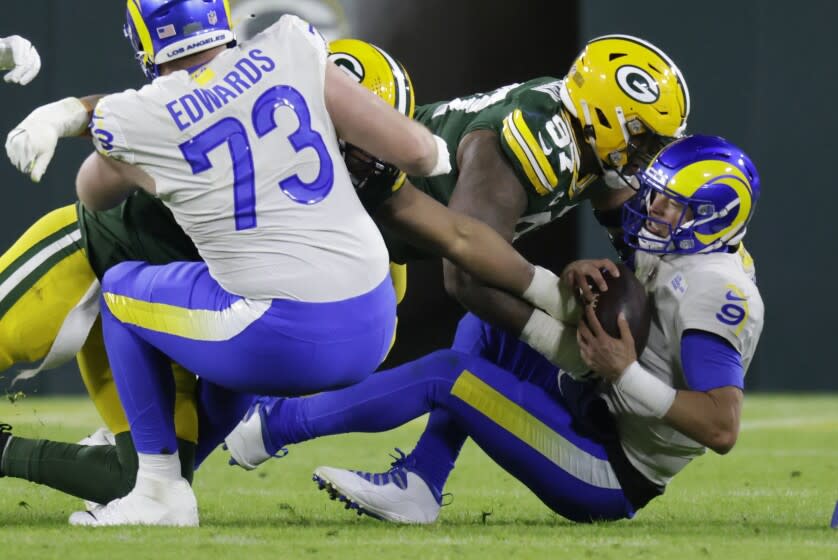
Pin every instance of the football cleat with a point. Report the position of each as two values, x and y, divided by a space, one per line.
249 443
398 495
164 503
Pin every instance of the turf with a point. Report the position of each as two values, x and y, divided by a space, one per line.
771 497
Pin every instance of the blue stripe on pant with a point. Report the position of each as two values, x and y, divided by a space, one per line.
511 413
152 314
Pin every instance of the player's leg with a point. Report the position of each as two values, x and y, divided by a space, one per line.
104 472
98 379
179 311
529 432
43 276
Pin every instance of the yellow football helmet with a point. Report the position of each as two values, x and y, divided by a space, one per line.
621 87
377 71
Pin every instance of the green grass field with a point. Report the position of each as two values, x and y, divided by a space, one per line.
772 497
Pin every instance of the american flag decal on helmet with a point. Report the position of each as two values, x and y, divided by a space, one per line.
166 31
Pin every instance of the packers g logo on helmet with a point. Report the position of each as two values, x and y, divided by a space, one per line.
621 86
380 73
377 71
638 84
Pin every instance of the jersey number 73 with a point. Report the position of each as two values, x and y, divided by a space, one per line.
232 132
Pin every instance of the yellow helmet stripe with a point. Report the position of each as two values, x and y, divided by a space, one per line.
411 109
687 181
227 11
142 30
401 102
532 152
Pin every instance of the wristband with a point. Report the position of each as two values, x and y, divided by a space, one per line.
555 341
443 158
647 395
548 293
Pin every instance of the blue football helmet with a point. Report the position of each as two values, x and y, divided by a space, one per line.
714 181
164 30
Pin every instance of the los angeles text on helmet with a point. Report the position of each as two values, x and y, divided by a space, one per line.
191 108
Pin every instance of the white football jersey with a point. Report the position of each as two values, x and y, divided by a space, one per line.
711 292
245 155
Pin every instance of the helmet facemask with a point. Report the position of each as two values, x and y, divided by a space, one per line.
716 187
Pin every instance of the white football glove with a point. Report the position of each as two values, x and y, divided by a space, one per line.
549 293
18 55
31 144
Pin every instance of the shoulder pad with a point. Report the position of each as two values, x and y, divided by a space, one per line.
106 130
541 146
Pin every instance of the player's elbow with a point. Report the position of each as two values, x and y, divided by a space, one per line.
722 440
458 283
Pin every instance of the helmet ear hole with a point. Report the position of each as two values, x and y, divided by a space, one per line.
603 120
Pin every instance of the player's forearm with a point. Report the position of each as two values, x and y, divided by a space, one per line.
363 119
710 418
490 304
89 102
469 243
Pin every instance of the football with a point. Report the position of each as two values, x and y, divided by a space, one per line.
625 293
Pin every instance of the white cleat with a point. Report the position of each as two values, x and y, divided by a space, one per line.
246 443
400 495
102 436
165 503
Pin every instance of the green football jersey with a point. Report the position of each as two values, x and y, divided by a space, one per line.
139 229
535 134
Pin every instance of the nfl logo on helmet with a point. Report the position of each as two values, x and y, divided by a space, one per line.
212 17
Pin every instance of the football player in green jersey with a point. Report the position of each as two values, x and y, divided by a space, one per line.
520 163
525 154
50 290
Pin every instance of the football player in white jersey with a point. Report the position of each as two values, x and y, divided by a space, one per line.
589 450
21 59
240 142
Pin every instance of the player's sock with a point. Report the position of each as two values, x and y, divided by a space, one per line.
159 466
96 473
436 451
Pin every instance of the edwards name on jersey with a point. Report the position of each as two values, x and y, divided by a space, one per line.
244 154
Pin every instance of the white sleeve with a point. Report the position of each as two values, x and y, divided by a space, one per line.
728 306
301 32
107 128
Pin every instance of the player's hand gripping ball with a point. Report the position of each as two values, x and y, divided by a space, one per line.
625 295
